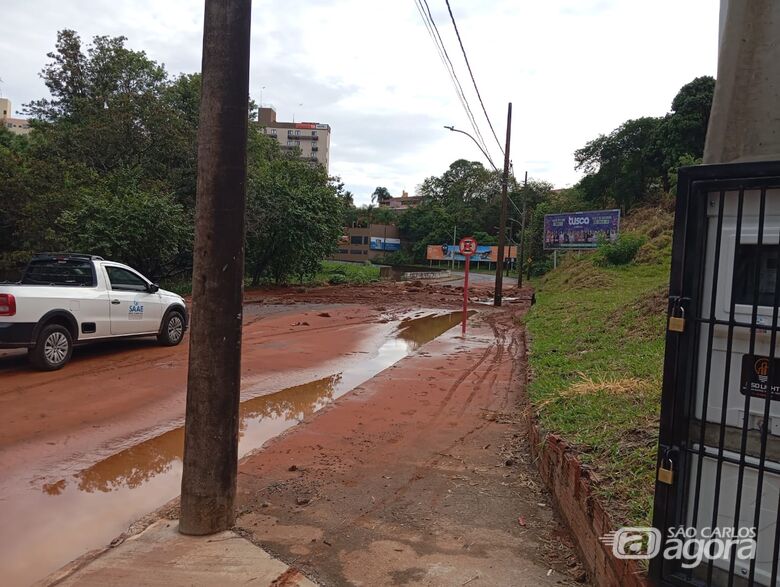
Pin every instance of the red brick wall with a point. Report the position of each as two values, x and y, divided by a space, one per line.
570 483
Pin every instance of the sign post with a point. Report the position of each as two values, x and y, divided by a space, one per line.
468 246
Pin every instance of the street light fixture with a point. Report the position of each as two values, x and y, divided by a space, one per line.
463 132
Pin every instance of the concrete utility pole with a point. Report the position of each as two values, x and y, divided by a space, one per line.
520 252
502 219
208 486
744 119
454 243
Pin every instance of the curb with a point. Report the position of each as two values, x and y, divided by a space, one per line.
570 482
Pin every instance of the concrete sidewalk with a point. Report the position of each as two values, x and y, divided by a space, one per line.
161 556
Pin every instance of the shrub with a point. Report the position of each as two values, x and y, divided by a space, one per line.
337 279
620 252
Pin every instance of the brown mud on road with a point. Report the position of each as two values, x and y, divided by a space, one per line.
418 476
87 450
132 389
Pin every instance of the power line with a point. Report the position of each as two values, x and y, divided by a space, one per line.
472 118
433 32
471 73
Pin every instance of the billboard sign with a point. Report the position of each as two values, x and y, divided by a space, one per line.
483 253
580 230
385 244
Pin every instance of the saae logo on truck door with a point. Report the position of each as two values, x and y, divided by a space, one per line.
136 311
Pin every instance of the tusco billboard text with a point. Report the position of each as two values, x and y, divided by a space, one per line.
580 230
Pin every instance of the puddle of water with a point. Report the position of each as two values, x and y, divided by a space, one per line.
46 526
417 331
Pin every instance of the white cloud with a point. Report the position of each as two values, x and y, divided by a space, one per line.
572 68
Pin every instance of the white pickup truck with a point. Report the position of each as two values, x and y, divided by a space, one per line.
64 299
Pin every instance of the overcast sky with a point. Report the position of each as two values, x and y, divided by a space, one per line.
572 68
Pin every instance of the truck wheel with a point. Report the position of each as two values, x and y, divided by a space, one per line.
172 331
53 348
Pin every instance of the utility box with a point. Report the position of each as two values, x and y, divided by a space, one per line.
720 421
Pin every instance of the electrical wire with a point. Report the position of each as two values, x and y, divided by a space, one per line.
433 31
471 116
471 73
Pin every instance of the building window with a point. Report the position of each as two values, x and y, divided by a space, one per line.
356 240
354 252
314 149
297 133
343 252
273 131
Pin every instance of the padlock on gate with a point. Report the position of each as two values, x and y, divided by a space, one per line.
677 323
666 470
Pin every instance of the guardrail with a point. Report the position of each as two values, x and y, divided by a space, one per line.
412 275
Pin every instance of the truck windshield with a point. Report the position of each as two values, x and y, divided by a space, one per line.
72 272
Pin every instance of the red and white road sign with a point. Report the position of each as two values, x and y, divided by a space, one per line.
468 246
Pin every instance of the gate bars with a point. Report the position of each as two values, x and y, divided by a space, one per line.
688 435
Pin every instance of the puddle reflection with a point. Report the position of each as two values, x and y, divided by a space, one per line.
417 331
134 466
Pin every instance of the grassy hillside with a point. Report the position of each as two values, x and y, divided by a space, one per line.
596 355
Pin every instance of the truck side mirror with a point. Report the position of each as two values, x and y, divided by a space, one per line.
153 287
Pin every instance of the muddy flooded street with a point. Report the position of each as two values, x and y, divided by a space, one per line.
78 477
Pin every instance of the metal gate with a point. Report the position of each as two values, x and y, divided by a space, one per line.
719 449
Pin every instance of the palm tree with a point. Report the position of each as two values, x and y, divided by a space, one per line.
381 195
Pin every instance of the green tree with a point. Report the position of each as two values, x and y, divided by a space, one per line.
681 134
620 167
465 198
637 160
121 221
294 213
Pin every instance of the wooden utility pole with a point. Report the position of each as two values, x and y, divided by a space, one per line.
520 252
208 486
502 219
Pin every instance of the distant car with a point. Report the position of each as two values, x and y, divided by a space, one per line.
65 299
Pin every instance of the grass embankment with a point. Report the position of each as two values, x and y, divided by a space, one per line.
353 273
597 344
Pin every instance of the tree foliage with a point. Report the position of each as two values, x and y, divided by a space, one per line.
464 200
294 213
110 168
637 160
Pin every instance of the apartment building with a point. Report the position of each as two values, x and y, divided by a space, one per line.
18 126
402 202
312 138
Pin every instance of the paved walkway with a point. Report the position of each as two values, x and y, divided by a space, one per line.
160 556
